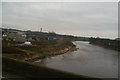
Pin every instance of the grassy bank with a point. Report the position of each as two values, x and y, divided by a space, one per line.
32 70
38 49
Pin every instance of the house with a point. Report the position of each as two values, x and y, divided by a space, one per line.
20 36
4 35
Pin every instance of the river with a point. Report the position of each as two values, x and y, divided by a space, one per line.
89 60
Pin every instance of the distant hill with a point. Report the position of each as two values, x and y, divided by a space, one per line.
45 34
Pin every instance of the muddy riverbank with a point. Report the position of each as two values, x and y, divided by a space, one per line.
69 48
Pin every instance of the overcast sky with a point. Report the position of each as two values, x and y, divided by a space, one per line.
73 18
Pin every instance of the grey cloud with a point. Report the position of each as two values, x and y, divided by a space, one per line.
87 19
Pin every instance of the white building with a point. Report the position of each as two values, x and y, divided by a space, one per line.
27 43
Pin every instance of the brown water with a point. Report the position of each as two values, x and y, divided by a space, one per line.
88 60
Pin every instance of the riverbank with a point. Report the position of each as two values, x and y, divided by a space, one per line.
107 47
38 50
106 43
33 58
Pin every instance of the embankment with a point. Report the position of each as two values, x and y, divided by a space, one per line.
62 51
106 43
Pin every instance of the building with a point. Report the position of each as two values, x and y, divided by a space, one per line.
27 43
20 36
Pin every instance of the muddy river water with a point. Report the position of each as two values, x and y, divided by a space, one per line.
89 60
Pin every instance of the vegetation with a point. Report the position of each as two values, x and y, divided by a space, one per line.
107 43
38 49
